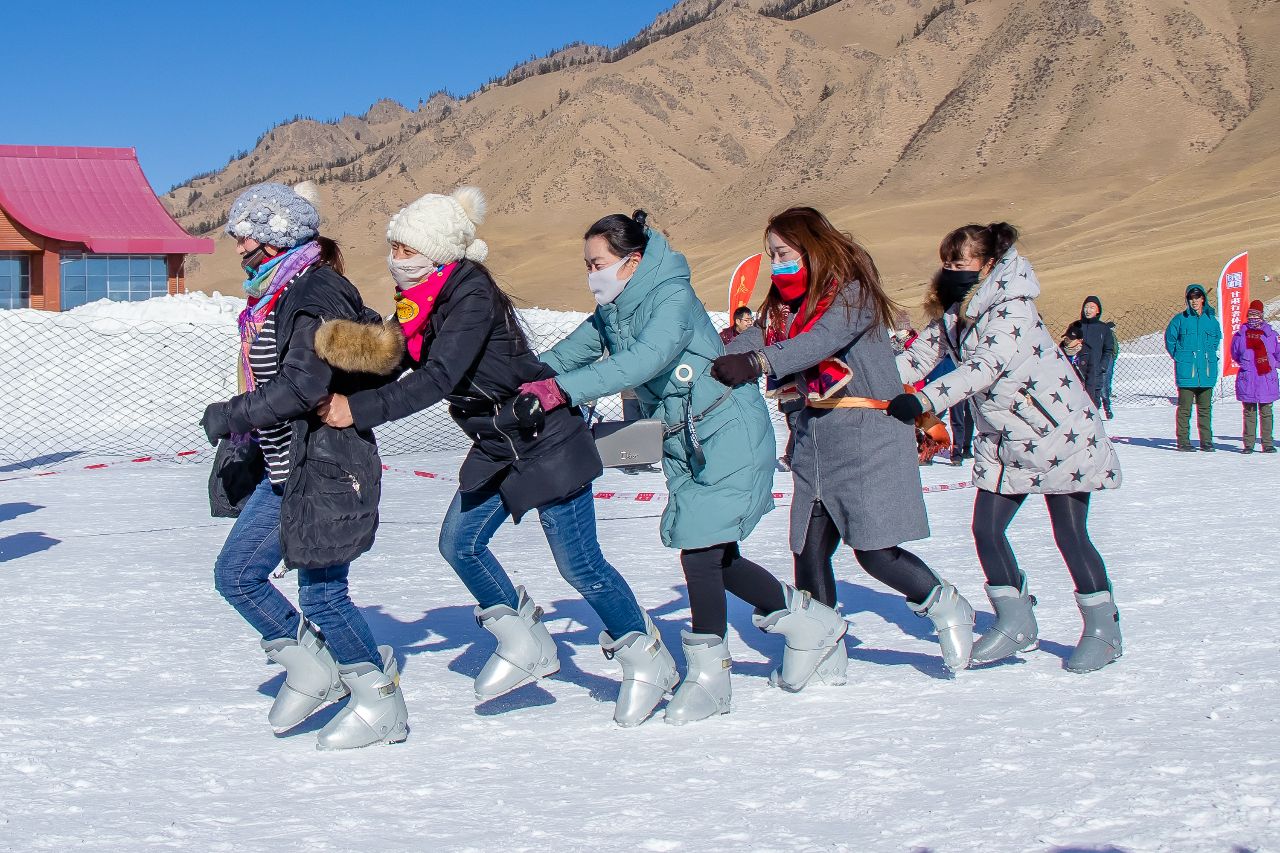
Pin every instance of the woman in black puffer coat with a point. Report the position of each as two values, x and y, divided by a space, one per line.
316 505
464 345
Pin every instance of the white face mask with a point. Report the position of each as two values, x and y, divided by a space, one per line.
409 271
604 284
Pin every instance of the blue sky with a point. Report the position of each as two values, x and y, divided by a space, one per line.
189 85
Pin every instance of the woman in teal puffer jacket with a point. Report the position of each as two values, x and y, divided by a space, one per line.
717 454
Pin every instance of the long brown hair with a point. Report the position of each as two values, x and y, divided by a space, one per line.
331 255
833 259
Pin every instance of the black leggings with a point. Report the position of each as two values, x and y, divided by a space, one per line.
1069 515
711 571
893 567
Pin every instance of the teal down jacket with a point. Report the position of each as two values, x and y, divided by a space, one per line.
661 342
1192 341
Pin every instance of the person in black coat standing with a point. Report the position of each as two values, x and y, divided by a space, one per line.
316 505
463 344
1099 353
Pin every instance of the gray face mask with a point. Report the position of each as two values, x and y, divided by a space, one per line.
605 285
409 271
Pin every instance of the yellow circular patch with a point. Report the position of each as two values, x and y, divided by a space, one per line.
406 310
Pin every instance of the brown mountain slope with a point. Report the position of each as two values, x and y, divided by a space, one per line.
1129 138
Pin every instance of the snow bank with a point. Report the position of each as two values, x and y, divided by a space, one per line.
203 308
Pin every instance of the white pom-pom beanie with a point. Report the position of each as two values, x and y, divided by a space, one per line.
442 228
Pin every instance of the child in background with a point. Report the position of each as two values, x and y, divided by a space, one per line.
1072 346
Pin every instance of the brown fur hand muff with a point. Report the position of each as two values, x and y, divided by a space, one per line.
361 347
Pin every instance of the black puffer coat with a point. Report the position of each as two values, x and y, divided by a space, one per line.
474 359
1099 349
329 513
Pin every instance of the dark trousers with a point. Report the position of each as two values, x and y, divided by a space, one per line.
1202 400
894 567
709 572
1069 515
961 417
1258 415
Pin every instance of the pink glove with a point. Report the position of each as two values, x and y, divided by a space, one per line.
547 392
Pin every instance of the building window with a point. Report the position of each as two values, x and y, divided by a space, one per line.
122 278
15 280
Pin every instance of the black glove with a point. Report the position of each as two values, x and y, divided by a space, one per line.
215 423
529 413
736 369
905 407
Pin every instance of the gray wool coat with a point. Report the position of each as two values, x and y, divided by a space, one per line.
1037 430
860 463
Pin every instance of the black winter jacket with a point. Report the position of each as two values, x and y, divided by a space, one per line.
329 513
1099 349
473 359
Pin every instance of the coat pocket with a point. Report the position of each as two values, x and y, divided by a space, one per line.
1033 413
726 450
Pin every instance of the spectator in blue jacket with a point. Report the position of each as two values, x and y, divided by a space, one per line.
1192 340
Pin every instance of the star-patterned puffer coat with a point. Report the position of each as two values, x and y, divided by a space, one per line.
1038 431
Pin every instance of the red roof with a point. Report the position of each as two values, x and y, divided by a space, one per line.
95 196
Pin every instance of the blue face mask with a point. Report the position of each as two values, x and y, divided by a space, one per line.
786 268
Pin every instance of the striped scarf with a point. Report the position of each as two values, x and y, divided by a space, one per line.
269 285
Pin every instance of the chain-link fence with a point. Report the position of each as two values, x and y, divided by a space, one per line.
76 387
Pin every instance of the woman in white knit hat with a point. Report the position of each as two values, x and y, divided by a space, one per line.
460 337
314 515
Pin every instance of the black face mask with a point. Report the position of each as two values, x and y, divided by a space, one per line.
954 285
252 260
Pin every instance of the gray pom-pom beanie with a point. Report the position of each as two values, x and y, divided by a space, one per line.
275 215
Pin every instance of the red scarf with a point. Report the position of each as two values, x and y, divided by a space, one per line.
828 376
413 307
1254 340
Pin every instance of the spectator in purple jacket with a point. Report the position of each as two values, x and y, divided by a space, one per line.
1256 350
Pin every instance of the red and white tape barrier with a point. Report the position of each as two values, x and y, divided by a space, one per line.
653 496
97 466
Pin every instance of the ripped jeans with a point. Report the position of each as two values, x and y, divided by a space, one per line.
570 526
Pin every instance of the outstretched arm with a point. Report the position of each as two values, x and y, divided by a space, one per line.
663 337
460 340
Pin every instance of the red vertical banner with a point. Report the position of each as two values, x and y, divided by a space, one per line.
1233 305
743 282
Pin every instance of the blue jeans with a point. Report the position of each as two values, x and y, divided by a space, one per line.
242 576
570 527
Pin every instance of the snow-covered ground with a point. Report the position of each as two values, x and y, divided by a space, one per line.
134 713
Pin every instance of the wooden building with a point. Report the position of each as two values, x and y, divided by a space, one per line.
82 224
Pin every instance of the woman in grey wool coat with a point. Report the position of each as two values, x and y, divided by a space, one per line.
823 330
1038 433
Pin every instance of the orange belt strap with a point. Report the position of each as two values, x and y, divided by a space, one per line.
848 403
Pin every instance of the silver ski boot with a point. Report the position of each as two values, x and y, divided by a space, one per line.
706 690
375 713
648 673
811 630
311 677
525 650
1015 629
952 618
1100 642
832 672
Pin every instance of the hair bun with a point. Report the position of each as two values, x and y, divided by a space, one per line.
640 217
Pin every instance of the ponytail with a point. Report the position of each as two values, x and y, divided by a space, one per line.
330 254
984 242
1003 236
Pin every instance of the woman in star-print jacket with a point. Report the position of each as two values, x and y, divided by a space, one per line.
1038 432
